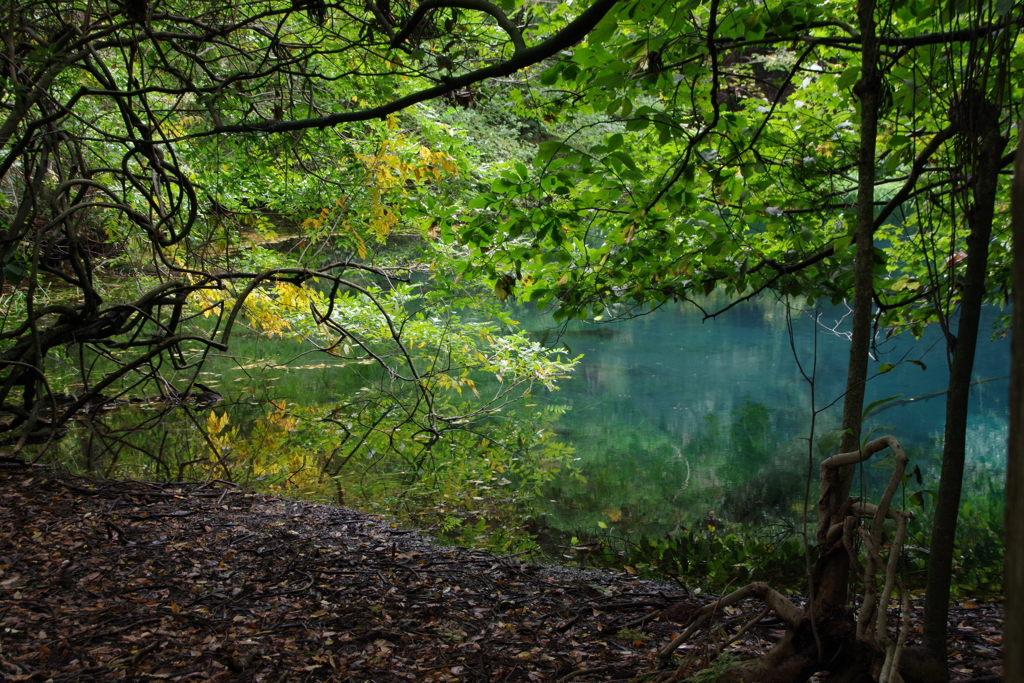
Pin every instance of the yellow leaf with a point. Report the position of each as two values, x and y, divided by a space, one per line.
215 424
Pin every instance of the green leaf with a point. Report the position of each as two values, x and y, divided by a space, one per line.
830 440
848 77
664 133
14 272
886 463
602 32
626 160
885 367
875 404
917 497
549 76
842 244
547 150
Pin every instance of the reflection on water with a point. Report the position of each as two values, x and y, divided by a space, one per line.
672 417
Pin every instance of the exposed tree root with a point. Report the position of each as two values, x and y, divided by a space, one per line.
824 634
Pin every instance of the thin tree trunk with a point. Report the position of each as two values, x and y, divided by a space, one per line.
867 91
1013 577
947 504
832 573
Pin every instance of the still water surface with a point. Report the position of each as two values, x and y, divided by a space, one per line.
673 417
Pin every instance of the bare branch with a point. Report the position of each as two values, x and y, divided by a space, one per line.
479 5
574 32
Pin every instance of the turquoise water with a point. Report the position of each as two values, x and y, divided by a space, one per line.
674 417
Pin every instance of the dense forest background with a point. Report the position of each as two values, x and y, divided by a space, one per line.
372 185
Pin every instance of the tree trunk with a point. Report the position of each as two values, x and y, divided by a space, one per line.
853 652
825 634
947 505
832 573
1013 577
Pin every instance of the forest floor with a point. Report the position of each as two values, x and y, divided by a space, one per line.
124 580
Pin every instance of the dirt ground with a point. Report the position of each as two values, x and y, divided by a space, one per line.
123 580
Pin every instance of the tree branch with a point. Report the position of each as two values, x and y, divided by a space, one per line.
574 32
479 5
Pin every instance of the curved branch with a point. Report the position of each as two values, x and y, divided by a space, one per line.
479 5
571 34
381 19
915 172
865 453
128 367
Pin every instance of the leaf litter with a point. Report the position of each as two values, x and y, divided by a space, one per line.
104 580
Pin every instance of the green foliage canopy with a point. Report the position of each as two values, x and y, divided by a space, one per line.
137 138
729 158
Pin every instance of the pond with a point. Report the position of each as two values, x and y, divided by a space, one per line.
673 418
